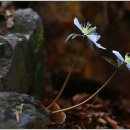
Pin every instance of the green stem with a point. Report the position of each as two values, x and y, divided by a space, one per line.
65 82
88 99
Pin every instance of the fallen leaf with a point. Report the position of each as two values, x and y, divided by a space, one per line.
79 97
9 22
97 106
102 121
112 122
8 13
57 118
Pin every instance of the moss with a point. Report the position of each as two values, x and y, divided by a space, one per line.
37 71
38 39
37 59
37 51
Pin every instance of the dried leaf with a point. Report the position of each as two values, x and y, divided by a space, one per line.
8 13
9 19
57 118
98 106
102 121
112 122
9 22
79 97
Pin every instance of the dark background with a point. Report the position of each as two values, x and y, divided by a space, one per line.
113 23
112 20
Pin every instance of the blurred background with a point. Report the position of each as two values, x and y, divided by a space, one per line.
112 20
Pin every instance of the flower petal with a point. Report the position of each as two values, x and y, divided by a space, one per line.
76 22
99 46
118 55
128 65
94 37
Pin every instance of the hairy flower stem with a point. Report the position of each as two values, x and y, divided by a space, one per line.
92 96
66 81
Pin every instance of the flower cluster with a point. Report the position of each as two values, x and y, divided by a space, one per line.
93 37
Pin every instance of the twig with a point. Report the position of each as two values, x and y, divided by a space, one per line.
92 96
66 81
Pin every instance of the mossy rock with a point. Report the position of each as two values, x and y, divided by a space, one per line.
28 23
22 111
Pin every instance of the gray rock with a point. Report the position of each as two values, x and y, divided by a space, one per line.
12 66
21 111
28 23
22 55
22 69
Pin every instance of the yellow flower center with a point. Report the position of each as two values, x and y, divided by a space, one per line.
89 31
127 58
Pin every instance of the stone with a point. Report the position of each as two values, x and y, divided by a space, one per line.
22 111
28 23
22 55
12 68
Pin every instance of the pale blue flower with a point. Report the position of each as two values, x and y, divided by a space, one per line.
118 55
90 32
123 61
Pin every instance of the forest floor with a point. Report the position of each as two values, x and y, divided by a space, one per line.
102 113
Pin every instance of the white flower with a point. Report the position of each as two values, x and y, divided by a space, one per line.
90 32
126 60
